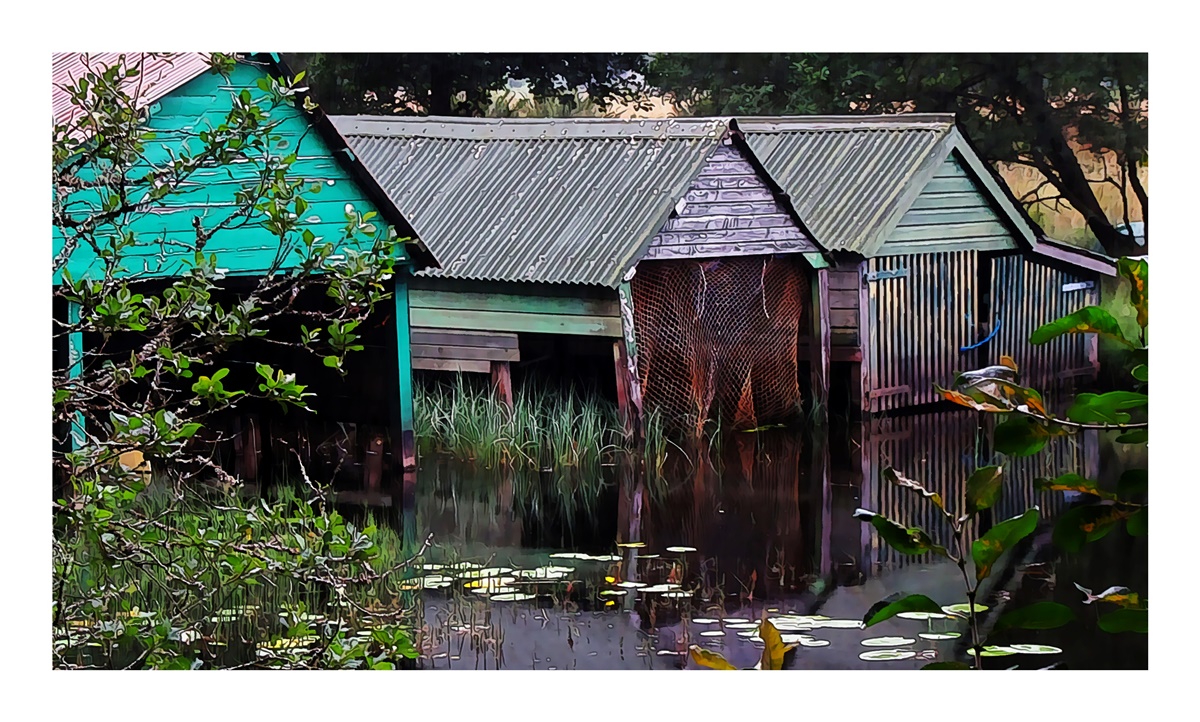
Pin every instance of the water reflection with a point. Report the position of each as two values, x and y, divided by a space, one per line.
761 524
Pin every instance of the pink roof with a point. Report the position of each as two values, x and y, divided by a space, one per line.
161 73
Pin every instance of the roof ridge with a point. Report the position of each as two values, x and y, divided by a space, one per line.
462 128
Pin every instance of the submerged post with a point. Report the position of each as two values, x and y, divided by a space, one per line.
819 359
75 369
502 382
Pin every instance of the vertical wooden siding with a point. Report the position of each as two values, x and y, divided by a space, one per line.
1026 294
951 213
941 450
919 324
728 211
844 285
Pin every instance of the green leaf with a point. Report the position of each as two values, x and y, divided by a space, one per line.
1040 615
1136 524
706 658
947 665
1138 275
1126 620
895 604
1019 436
332 362
1091 319
983 488
999 539
1133 482
1141 373
895 477
1106 408
1134 436
904 540
1085 524
1072 482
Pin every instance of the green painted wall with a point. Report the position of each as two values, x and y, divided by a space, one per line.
483 310
249 248
952 213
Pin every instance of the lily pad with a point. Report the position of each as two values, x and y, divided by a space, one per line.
962 610
613 593
1034 649
601 557
887 655
648 556
511 597
704 620
543 573
712 633
464 565
631 585
887 641
995 651
938 636
735 620
490 583
742 625
813 642
677 595
433 567
838 624
632 545
681 550
922 616
481 573
570 555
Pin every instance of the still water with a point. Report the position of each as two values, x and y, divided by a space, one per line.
626 568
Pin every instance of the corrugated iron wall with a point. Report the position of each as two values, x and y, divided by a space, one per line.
919 323
941 450
1025 295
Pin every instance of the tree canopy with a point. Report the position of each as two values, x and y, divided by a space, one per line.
1029 109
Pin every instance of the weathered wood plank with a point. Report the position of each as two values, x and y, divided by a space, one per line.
517 322
951 200
985 229
958 184
947 216
822 321
843 337
474 367
502 382
453 300
844 280
450 337
982 243
720 250
843 317
476 353
843 298
728 195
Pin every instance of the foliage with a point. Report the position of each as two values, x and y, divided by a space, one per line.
464 83
147 558
1029 109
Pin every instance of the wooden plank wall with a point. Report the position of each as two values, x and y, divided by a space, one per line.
728 211
920 323
844 284
1026 294
512 313
941 450
950 214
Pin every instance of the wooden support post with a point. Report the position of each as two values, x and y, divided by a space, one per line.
502 382
867 330
402 421
984 321
821 348
634 387
75 370
820 475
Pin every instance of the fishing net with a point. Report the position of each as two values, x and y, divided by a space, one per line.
717 339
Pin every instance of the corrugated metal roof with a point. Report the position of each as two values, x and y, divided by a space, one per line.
160 73
550 200
848 176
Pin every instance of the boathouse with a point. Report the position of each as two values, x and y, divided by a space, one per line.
661 245
935 268
182 95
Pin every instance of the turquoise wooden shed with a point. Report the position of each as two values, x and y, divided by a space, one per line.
182 94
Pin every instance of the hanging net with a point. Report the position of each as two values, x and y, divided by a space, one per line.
717 339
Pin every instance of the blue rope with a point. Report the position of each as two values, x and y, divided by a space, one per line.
990 336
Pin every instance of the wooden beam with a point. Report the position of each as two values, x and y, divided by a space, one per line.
502 382
517 322
630 358
404 367
452 337
467 353
822 351
540 305
452 365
